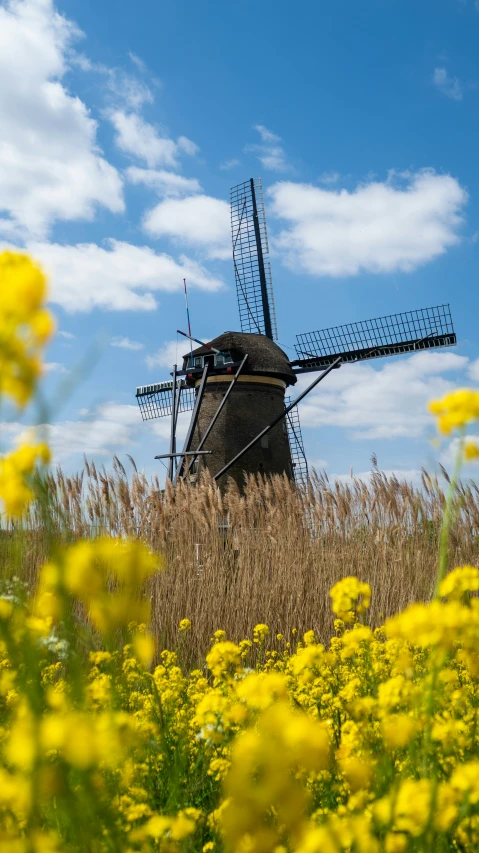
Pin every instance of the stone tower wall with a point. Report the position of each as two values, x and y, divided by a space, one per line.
253 403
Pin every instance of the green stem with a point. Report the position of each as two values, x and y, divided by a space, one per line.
450 513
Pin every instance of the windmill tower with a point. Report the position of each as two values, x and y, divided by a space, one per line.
243 419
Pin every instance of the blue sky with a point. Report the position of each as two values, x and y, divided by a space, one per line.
124 126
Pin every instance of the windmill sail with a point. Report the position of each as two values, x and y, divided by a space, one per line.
296 446
410 331
250 258
156 401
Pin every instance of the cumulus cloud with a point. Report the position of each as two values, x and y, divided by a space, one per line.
317 463
473 370
54 367
380 227
200 220
112 428
408 475
136 136
229 164
329 178
163 182
116 276
270 152
451 87
171 352
187 146
385 402
50 165
140 139
126 343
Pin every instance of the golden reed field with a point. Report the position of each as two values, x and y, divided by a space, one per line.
268 556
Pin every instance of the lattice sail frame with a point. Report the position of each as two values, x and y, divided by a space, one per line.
296 445
410 331
156 400
250 258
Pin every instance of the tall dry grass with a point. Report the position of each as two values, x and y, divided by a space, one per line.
269 555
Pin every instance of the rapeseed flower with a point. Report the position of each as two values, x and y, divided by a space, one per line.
25 325
455 410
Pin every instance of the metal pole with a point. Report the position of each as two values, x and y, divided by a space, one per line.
262 275
173 426
194 418
277 419
220 407
184 453
197 341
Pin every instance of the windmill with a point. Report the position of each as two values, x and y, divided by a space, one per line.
243 419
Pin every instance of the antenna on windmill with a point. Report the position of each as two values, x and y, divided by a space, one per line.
188 317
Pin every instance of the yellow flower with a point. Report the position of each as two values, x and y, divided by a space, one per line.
87 570
185 625
471 451
398 729
349 595
461 580
144 645
412 807
358 772
455 410
260 632
16 474
25 326
309 638
262 689
224 658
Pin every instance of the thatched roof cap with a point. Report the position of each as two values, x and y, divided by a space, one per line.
265 356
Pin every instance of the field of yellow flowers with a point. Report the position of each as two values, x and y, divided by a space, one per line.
369 742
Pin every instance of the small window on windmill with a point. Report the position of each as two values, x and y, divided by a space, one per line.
219 359
198 361
265 442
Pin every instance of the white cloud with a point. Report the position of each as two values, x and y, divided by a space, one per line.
54 367
379 227
112 428
318 464
139 138
167 355
229 164
124 89
270 152
201 221
136 136
408 475
386 402
473 370
126 343
329 178
172 352
50 165
163 182
449 86
137 61
117 276
67 335
187 146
